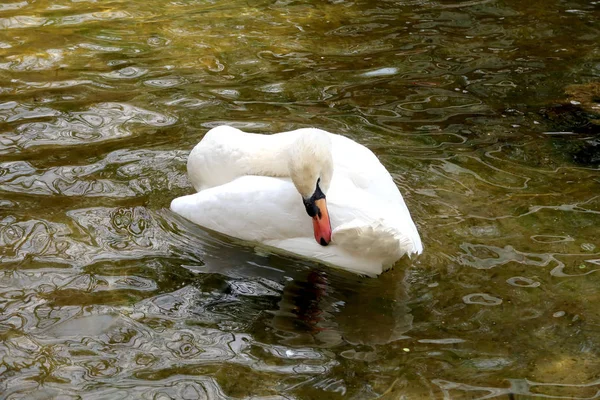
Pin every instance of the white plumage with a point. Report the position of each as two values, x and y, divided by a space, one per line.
251 186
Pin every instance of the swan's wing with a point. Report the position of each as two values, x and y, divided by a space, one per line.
253 208
373 240
336 256
367 226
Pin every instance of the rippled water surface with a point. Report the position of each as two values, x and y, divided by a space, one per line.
106 294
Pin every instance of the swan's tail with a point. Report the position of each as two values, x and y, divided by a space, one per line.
375 240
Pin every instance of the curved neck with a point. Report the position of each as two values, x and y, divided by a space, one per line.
266 155
226 153
304 155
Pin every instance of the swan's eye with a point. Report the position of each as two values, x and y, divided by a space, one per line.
311 208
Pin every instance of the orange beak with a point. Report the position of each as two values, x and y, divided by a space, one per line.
321 223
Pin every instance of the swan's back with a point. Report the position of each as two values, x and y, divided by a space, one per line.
364 169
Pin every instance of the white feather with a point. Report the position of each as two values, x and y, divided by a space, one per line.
249 187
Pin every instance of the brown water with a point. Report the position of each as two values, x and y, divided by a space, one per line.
106 294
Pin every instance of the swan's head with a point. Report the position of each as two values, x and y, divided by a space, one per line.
311 169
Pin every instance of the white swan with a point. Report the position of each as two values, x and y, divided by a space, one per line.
250 186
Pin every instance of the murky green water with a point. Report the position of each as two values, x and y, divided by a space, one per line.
106 294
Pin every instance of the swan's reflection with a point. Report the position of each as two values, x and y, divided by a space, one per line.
318 306
300 309
324 309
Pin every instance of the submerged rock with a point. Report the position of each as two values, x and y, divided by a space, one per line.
575 123
573 118
587 96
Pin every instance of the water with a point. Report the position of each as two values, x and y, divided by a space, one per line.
105 294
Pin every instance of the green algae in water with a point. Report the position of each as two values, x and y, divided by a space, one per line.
105 293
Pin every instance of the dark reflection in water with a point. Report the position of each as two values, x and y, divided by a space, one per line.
485 113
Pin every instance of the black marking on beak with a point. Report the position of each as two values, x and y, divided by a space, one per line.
311 208
323 242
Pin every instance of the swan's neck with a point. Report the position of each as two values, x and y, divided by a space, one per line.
266 155
226 153
303 155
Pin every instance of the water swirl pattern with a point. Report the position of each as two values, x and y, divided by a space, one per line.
106 294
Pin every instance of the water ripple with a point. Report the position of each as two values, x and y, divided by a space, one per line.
102 122
27 21
51 59
120 174
105 293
